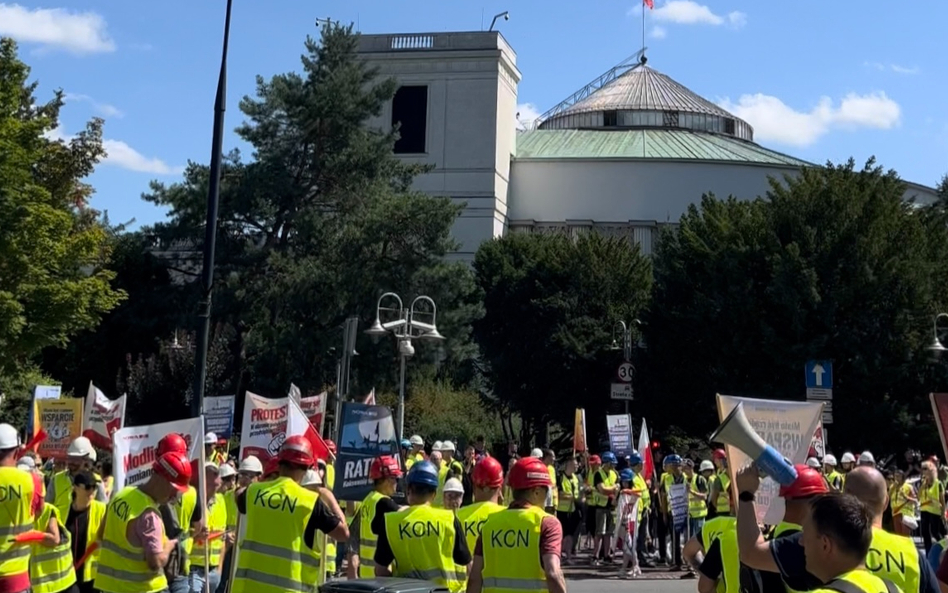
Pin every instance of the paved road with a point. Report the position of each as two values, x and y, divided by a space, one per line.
615 586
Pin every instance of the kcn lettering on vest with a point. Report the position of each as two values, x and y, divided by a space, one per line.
510 538
414 529
885 560
10 493
120 509
474 528
276 501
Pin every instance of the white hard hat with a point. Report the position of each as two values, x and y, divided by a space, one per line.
829 459
866 458
848 458
81 447
212 466
210 439
26 463
416 440
448 446
706 465
537 453
251 464
454 485
813 462
311 478
9 438
436 446
227 470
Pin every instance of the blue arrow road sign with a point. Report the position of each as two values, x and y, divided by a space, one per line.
819 374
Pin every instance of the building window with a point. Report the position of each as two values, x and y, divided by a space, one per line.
670 119
729 126
410 113
610 119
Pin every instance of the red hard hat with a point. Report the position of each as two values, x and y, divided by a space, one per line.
595 460
384 466
172 443
298 450
488 473
809 482
719 454
331 445
272 467
529 472
175 468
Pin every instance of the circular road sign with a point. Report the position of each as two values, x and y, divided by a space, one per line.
626 372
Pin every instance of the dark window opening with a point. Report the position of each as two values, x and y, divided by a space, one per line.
670 119
410 113
610 118
729 126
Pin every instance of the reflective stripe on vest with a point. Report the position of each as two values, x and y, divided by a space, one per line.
216 523
272 556
723 504
894 558
122 567
510 541
569 485
422 541
368 541
51 569
16 517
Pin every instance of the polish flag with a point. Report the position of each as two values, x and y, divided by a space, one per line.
297 424
649 3
645 450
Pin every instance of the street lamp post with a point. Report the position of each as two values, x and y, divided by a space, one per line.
625 332
936 346
405 325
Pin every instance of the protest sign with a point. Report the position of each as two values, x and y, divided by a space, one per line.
620 434
40 392
102 417
314 407
62 421
788 427
367 432
219 415
678 497
264 427
135 447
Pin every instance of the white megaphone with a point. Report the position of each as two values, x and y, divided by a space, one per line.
736 431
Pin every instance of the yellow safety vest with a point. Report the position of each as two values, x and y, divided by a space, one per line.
422 541
862 579
122 567
368 541
184 506
894 558
330 543
730 560
51 569
216 522
593 499
510 541
608 481
712 530
723 504
230 503
107 485
412 458
570 486
645 498
62 492
217 457
930 498
96 514
555 494
834 478
474 516
16 517
697 506
272 556
442 478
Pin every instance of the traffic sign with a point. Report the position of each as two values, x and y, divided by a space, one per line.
622 391
626 372
817 394
819 374
827 417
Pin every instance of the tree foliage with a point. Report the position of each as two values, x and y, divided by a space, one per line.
832 265
551 304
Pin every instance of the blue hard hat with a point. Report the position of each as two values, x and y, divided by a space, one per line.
608 457
424 473
626 475
672 460
635 459
405 444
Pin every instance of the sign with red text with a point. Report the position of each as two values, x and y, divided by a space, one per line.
134 448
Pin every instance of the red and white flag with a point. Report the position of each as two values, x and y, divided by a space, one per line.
314 407
298 424
102 418
370 398
645 450
649 3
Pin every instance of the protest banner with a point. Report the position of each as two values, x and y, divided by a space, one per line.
102 417
40 392
61 419
817 445
620 434
263 429
645 450
219 415
134 448
579 431
788 427
314 407
678 497
367 432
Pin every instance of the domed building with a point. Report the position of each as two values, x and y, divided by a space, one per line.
624 155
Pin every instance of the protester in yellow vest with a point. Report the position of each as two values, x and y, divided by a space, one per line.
80 456
18 511
519 548
85 518
212 453
697 498
417 452
833 477
567 509
931 498
280 550
640 484
216 539
720 570
384 472
720 496
421 541
248 472
449 468
51 563
327 476
549 460
134 549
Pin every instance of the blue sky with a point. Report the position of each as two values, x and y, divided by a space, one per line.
817 80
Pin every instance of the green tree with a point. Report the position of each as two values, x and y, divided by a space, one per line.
832 264
551 303
53 250
319 224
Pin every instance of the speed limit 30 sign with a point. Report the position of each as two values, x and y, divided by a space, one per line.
626 372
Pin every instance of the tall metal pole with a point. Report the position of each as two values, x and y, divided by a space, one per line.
627 343
401 400
210 228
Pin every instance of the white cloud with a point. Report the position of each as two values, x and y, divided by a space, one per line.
527 113
687 12
892 68
80 33
101 108
775 121
122 155
658 32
